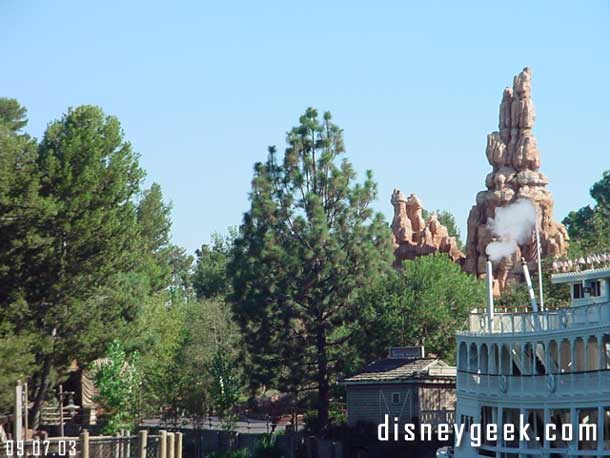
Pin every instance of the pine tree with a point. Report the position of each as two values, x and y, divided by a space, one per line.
308 242
589 227
210 273
84 287
21 211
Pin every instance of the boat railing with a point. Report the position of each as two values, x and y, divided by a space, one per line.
532 322
561 384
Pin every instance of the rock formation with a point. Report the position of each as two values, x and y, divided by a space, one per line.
413 236
515 159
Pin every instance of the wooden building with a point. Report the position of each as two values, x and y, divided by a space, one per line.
406 385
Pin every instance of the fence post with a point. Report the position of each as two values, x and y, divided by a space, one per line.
127 443
171 445
117 445
163 444
84 444
142 443
178 453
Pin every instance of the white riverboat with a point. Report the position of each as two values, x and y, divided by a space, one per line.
540 367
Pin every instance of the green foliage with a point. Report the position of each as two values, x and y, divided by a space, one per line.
589 227
338 416
424 303
118 380
239 453
159 337
267 447
516 295
85 258
210 329
69 248
178 341
226 387
154 226
166 266
308 242
16 363
210 275
12 114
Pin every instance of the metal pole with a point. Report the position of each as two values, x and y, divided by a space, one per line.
26 408
61 410
18 411
539 267
490 295
530 288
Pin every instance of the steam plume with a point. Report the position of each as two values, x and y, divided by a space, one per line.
513 225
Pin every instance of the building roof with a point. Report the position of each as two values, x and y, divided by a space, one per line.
589 274
394 370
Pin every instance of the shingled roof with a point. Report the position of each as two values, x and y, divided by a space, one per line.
394 370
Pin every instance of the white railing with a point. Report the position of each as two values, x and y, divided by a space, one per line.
449 371
535 386
562 318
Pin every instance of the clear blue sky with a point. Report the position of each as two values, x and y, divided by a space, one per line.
202 88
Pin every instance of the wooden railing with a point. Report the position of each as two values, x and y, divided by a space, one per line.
437 417
142 445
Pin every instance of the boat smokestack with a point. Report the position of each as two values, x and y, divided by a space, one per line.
530 288
489 277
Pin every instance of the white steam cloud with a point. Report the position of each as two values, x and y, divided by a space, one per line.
513 226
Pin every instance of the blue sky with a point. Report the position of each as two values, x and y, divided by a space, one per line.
202 88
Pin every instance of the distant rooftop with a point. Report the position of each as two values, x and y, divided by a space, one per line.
396 370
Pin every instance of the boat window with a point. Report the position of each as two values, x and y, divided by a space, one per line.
606 435
487 418
606 353
560 418
596 289
587 423
579 291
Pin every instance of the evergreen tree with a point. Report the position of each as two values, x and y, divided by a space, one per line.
22 213
81 289
165 265
12 115
589 227
308 242
210 273
154 227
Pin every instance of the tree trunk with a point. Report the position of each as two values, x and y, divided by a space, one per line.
41 394
323 386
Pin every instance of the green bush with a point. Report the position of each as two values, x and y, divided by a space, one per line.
240 453
267 447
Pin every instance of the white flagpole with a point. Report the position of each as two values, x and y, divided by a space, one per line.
539 266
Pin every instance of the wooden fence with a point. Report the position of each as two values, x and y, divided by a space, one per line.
143 445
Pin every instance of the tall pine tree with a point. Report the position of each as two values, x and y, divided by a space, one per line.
308 242
21 211
86 289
